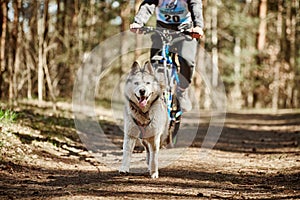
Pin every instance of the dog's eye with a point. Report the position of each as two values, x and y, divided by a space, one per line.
136 83
148 83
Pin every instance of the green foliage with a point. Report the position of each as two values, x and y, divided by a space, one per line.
8 116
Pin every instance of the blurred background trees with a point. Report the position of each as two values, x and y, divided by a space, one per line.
255 44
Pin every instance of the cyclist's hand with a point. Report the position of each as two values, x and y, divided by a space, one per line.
197 31
134 27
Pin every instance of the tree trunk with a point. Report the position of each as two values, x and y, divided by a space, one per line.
93 15
278 59
262 30
60 23
237 93
79 23
293 52
197 80
124 13
296 7
138 40
289 39
32 48
42 57
3 44
40 29
45 53
29 75
17 62
12 55
66 29
214 35
206 67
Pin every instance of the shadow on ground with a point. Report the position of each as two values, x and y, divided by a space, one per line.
45 183
243 134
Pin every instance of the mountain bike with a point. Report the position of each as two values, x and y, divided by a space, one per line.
165 64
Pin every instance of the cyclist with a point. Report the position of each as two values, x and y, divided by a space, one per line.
172 14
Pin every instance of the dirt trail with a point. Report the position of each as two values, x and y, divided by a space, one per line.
256 157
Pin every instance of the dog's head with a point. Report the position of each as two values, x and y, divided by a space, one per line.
142 87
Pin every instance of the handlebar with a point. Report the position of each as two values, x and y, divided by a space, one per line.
163 32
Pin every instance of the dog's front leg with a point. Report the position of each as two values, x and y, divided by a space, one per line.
128 146
146 146
153 165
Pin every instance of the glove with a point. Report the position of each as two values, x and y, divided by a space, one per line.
134 27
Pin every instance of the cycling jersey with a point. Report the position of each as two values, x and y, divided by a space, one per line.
173 12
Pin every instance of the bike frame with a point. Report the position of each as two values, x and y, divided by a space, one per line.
170 70
171 78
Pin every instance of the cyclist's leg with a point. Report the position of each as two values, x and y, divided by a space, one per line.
187 57
155 58
156 46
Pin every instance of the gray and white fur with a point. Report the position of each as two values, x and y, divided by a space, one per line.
145 116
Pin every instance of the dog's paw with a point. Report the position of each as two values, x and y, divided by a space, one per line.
154 175
123 173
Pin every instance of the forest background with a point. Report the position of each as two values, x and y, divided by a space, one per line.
254 43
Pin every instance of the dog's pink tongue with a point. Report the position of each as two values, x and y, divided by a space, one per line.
143 103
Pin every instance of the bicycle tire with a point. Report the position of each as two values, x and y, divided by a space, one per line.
174 122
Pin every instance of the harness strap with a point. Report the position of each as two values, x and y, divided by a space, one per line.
145 115
142 127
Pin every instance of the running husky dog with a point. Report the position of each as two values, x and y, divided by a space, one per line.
145 116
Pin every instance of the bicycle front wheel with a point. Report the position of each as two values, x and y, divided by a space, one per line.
176 114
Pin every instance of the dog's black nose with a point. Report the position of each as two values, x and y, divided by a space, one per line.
142 92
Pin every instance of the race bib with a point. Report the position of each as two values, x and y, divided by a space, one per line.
173 12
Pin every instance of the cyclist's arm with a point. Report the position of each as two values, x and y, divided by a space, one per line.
195 7
146 10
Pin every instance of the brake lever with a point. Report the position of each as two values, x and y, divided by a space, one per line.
184 27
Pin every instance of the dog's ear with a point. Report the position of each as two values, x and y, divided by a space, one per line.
135 67
148 68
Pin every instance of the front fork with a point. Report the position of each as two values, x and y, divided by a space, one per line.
172 79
